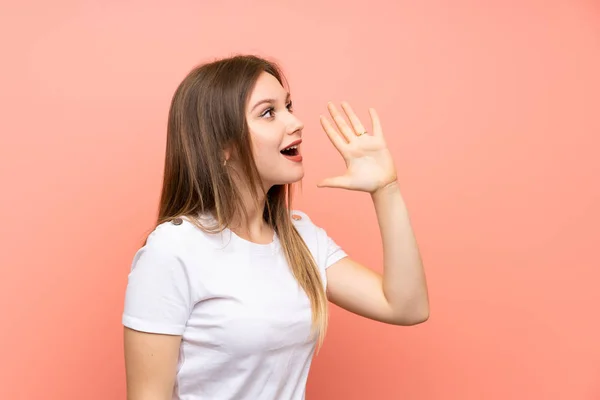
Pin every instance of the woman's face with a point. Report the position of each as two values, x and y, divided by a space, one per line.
275 133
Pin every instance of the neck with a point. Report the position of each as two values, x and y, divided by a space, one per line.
252 226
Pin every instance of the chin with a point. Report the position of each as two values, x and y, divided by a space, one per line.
287 180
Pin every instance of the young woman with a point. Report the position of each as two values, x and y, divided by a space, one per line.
228 297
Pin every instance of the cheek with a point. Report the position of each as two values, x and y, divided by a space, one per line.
263 151
265 147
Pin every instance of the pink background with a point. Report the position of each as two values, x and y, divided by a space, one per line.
491 109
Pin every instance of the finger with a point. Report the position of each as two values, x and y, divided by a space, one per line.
340 122
356 124
335 182
377 131
336 139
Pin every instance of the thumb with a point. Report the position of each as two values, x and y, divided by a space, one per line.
335 182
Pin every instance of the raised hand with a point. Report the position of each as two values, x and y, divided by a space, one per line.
369 163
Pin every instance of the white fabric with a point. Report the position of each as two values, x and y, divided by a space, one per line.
244 320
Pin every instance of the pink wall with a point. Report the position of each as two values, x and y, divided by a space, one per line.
492 112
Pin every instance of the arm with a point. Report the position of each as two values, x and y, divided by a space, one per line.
399 296
158 301
150 364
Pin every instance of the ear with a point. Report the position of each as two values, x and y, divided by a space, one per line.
226 154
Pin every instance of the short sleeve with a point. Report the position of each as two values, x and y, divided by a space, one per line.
159 297
334 252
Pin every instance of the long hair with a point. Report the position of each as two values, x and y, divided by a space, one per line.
207 115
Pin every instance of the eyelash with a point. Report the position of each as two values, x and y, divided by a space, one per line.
271 109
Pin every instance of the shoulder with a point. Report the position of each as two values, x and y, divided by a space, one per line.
325 251
306 226
171 235
301 220
179 238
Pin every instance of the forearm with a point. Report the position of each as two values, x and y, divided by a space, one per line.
404 283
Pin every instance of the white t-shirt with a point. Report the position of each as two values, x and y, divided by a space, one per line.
244 320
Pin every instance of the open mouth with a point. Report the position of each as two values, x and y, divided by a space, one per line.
290 151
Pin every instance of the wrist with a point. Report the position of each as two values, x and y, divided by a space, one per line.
390 186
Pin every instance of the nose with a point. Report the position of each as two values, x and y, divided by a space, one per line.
294 125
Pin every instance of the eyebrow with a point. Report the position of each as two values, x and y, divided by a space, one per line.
263 101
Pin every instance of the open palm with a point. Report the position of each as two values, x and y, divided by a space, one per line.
369 163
